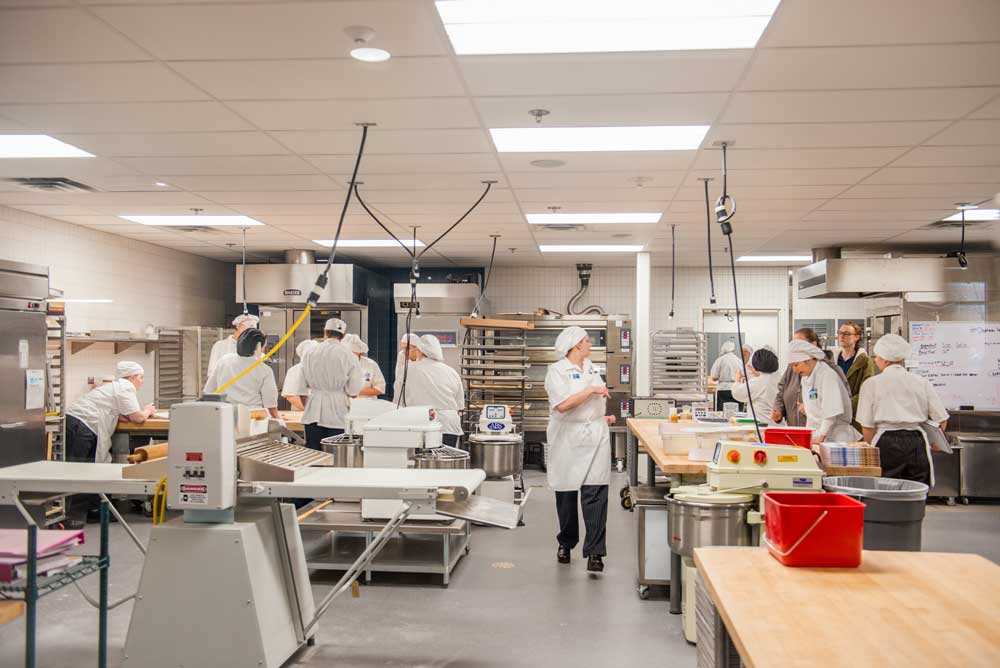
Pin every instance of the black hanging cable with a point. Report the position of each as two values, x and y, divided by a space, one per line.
739 339
708 236
489 184
245 309
486 281
414 277
357 194
673 267
722 215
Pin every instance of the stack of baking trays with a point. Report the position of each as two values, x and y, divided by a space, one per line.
494 368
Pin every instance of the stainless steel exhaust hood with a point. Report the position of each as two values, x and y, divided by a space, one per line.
836 278
290 284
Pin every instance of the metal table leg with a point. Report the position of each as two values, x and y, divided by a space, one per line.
650 471
632 457
102 624
447 557
368 571
675 583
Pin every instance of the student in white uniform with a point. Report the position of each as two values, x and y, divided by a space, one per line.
894 409
228 345
406 342
826 399
92 419
374 381
257 389
332 374
294 388
579 447
763 384
431 382
723 372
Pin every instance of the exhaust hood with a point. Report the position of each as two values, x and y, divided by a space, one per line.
836 278
290 284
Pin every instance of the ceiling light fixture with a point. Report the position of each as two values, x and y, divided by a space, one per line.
80 301
590 248
161 184
38 146
370 243
785 259
973 214
361 35
193 221
547 163
569 26
592 218
573 139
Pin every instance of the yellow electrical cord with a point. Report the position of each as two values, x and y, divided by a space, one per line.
160 501
271 352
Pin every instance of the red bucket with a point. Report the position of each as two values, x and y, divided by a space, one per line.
814 528
797 436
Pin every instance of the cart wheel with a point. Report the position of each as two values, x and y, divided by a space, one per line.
965 500
644 592
311 641
623 492
950 501
627 503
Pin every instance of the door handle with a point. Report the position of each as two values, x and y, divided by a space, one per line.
13 425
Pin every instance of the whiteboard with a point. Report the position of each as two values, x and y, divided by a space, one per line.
961 359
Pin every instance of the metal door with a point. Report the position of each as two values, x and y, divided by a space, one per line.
22 349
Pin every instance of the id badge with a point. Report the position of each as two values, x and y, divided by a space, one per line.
813 394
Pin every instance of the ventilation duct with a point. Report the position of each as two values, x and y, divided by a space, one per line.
584 272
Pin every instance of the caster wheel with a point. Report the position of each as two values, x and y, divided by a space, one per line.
311 641
950 501
627 503
623 492
644 593
965 500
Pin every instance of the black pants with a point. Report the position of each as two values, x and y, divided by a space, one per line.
81 446
904 455
594 501
316 433
450 439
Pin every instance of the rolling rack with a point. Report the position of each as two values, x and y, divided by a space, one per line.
678 368
51 509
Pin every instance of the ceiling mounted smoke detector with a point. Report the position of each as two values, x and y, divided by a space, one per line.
361 35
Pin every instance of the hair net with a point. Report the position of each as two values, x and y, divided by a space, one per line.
249 339
892 348
354 342
727 347
246 319
128 369
800 351
429 345
568 338
336 325
305 346
764 361
409 339
748 348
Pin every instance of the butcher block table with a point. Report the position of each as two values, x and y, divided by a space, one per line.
913 609
644 436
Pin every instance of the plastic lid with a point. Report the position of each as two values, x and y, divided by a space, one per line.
886 489
704 494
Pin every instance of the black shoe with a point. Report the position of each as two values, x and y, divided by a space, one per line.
595 564
563 555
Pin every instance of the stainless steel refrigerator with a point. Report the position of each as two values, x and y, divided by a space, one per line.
23 291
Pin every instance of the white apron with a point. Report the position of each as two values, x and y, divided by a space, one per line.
579 440
823 393
883 428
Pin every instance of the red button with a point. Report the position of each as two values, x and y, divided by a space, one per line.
733 456
759 457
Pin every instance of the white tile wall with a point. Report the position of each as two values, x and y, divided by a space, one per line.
149 285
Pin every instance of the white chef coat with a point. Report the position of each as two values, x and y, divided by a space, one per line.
763 389
579 439
397 382
100 410
724 370
897 400
372 375
219 350
257 389
332 373
435 384
295 382
828 405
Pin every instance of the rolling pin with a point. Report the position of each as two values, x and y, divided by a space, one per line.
146 452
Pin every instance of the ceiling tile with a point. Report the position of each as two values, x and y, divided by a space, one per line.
76 168
781 177
890 204
949 156
103 82
916 175
125 117
991 110
634 162
969 133
61 35
956 191
410 113
323 196
402 164
221 165
603 110
855 105
563 196
549 178
824 135
805 158
743 192
254 182
382 141
176 143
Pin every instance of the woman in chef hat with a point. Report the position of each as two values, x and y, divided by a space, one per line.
431 382
579 447
826 399
374 384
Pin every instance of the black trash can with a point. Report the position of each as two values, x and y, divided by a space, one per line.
894 509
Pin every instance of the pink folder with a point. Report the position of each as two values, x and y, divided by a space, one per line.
14 542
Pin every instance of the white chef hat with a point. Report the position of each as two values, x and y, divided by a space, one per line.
246 319
354 342
305 346
892 348
568 338
748 348
800 351
409 339
336 325
727 347
429 345
128 369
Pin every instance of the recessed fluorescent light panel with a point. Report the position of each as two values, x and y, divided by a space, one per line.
369 243
592 218
975 215
572 26
786 259
195 221
590 248
38 146
369 55
80 301
632 138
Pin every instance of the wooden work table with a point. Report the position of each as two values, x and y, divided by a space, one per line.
645 437
155 425
910 609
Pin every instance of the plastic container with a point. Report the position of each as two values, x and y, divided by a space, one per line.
894 509
814 529
797 436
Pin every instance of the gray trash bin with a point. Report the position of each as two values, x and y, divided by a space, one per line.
894 509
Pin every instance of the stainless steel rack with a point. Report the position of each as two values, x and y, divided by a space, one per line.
678 366
182 356
495 371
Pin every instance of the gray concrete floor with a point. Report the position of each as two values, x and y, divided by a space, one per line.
509 603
